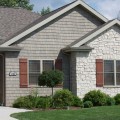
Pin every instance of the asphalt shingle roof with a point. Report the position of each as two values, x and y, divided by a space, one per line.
13 20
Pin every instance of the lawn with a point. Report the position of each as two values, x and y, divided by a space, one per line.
97 113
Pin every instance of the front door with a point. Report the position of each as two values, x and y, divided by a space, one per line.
1 79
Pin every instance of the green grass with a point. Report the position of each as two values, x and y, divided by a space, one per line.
98 113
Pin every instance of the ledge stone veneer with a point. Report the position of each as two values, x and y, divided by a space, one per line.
106 46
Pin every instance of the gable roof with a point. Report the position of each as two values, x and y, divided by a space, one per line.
47 18
13 20
94 33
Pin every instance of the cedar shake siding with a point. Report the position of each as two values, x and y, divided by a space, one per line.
46 43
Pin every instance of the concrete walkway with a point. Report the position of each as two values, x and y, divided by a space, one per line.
5 112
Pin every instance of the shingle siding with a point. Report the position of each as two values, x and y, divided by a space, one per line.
46 43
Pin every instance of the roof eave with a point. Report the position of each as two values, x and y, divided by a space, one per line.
93 35
10 49
77 49
33 28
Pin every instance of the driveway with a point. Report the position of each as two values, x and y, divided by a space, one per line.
5 112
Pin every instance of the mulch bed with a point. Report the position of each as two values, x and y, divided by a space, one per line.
53 109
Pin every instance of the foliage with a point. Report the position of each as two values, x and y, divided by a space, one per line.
98 98
117 99
63 98
32 102
45 11
24 102
88 104
50 78
44 102
77 102
110 101
17 3
42 80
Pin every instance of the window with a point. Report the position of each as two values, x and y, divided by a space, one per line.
38 66
34 71
112 72
48 65
118 72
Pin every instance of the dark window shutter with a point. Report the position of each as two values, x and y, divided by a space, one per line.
99 72
58 64
23 73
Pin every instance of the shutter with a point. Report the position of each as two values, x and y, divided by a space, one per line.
58 64
23 73
99 73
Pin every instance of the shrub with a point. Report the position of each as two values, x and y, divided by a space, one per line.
44 102
32 102
77 102
88 104
117 99
96 97
63 98
110 101
23 102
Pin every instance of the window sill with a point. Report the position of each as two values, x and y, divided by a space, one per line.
111 86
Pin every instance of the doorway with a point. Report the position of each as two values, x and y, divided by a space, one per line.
2 82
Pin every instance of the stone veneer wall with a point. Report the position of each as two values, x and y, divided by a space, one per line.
106 46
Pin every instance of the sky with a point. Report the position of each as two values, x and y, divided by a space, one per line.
108 8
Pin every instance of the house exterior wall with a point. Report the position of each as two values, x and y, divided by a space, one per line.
46 43
73 82
107 47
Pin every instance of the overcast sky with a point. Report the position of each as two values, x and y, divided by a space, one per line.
108 8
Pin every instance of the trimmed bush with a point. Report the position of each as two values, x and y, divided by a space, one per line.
98 98
24 102
88 104
63 98
110 101
77 102
117 99
51 78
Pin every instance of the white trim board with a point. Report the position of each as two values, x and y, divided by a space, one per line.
28 31
81 42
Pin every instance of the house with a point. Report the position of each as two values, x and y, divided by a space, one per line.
74 38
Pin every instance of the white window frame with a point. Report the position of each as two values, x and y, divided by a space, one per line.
115 81
41 69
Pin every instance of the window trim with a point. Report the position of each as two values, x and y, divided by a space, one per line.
115 81
41 69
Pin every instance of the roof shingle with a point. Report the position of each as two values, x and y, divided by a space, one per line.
13 20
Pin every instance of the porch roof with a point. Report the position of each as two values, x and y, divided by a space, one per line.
10 48
83 48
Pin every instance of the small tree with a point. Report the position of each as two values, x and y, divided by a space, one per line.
45 11
51 78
